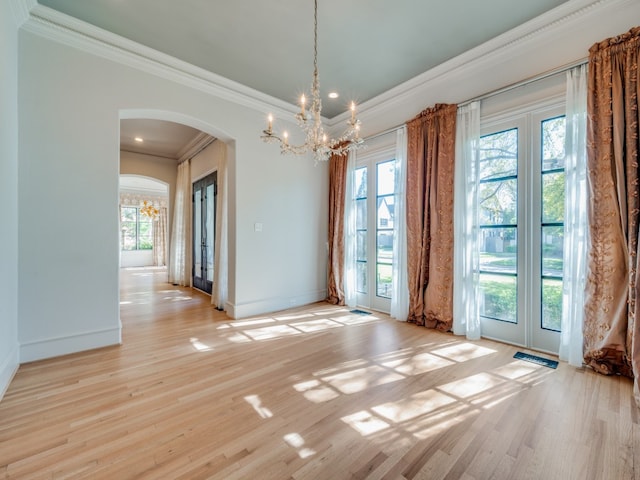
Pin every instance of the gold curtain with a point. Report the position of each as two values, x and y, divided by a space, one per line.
337 189
430 168
611 333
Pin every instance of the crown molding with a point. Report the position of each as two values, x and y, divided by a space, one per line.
62 28
196 145
21 9
494 51
59 27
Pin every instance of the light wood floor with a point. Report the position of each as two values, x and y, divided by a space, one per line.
311 393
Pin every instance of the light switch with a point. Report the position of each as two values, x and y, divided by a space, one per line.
257 227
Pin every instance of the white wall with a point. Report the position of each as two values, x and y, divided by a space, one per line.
136 258
72 101
8 196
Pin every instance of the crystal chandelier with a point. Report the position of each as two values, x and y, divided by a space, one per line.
148 210
311 122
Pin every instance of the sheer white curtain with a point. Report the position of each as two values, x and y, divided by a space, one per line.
221 257
180 258
400 289
575 222
466 315
350 278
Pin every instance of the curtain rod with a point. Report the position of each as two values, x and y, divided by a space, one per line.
522 83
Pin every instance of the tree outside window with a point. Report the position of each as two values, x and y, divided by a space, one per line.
136 230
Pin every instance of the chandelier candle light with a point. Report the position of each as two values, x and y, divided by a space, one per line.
316 139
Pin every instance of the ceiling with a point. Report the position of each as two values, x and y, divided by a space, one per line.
366 47
159 138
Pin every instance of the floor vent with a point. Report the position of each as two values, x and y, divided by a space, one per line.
535 359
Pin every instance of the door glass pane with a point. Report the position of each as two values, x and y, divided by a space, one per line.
361 246
383 281
197 233
499 155
553 134
553 197
360 194
498 297
361 214
498 216
385 247
361 277
498 250
552 222
552 250
209 221
385 210
386 178
361 183
498 202
551 303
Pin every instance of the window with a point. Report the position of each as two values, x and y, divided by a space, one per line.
374 199
552 221
136 230
521 218
499 224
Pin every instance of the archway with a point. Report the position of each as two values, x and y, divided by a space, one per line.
220 137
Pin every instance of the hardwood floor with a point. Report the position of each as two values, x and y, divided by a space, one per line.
310 393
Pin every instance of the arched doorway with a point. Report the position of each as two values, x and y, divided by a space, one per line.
162 126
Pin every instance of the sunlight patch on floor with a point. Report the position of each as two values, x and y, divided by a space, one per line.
355 319
288 318
316 392
298 324
470 386
462 352
256 403
249 323
316 325
296 441
516 369
417 364
365 423
416 405
199 346
267 333
358 380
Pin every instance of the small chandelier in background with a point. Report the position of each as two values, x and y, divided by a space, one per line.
148 210
310 122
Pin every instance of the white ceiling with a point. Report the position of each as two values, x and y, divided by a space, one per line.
159 138
366 47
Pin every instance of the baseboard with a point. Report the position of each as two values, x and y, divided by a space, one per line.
8 369
54 347
259 307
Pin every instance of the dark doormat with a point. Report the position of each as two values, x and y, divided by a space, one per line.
359 312
536 359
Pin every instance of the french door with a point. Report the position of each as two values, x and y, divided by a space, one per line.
521 200
204 221
374 203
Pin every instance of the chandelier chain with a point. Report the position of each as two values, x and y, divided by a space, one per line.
316 139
